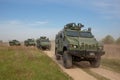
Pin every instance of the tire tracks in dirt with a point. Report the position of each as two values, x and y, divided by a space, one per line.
106 73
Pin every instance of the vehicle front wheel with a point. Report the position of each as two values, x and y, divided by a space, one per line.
67 60
96 62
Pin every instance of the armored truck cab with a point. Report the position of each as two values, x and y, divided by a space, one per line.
29 42
14 43
74 44
43 43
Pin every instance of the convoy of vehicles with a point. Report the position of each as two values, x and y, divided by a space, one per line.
72 43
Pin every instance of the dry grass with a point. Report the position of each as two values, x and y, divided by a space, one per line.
112 51
111 64
111 59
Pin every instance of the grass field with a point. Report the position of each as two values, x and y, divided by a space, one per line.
22 63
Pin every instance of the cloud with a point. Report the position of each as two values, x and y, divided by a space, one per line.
20 30
41 22
37 23
14 22
110 9
11 22
26 23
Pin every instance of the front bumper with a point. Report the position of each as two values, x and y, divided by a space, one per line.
85 53
31 44
47 47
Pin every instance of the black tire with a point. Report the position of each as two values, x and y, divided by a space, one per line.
96 62
57 55
67 60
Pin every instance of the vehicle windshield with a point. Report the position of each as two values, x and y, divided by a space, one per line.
72 33
86 34
31 40
15 41
45 40
79 34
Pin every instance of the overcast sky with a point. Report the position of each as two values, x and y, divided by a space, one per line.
22 19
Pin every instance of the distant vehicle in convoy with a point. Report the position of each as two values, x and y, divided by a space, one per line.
14 43
43 43
74 44
29 42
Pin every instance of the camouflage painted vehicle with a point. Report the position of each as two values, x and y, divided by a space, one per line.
74 44
29 42
14 43
43 43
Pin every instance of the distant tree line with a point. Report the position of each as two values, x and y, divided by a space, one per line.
110 40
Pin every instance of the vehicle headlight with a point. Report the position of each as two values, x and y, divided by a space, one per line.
73 46
92 54
100 47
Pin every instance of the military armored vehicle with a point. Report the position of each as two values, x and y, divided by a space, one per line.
14 43
75 44
29 42
43 43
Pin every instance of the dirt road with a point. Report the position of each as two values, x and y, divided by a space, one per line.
106 73
78 74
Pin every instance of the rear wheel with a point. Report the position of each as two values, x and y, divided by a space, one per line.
67 60
57 55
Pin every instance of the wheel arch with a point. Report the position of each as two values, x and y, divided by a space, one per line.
64 48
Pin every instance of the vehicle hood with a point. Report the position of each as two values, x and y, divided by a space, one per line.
45 43
78 40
